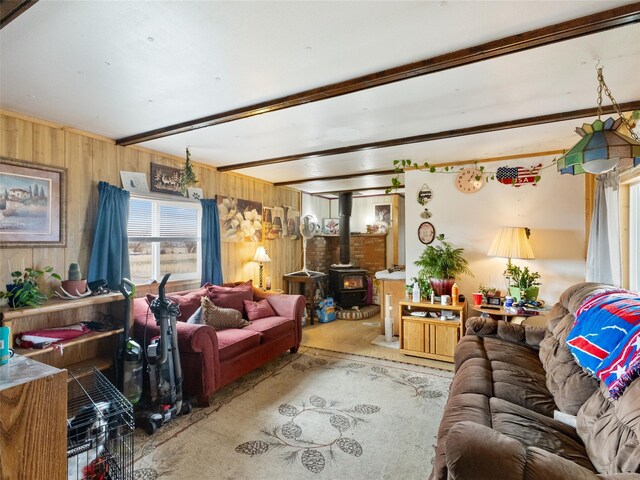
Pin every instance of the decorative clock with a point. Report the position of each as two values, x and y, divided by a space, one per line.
426 232
469 180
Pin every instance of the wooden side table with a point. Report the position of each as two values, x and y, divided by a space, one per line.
504 314
314 281
426 336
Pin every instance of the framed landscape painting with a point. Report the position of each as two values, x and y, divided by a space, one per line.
32 205
165 179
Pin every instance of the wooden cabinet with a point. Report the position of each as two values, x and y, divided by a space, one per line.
93 349
428 337
33 420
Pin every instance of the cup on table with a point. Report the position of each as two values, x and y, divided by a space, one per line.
445 299
5 352
477 299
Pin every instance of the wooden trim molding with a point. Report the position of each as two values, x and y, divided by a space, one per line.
571 29
12 9
429 137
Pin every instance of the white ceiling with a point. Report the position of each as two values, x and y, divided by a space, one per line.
121 68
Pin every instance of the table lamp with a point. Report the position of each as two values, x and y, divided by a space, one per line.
511 242
261 257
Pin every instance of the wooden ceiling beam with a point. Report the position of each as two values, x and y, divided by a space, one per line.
12 9
384 187
587 25
429 137
337 177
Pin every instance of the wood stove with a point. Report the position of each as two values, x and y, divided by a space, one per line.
348 285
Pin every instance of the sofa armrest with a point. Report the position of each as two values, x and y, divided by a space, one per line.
478 452
194 341
511 332
289 306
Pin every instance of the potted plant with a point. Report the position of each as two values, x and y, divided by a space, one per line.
524 283
25 289
489 292
423 284
441 264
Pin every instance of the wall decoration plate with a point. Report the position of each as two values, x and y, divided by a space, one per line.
195 193
469 180
426 232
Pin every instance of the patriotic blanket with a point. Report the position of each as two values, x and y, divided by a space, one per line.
605 338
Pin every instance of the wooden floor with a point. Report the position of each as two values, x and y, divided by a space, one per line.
355 336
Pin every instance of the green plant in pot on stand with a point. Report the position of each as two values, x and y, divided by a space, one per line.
523 283
26 287
441 264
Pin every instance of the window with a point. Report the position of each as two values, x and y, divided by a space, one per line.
164 237
634 237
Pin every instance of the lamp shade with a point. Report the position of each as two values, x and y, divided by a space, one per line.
600 149
261 255
511 242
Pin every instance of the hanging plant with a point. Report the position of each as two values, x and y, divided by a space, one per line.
188 177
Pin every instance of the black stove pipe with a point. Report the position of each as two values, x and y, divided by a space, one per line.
345 202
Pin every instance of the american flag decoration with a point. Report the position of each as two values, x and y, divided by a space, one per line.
518 176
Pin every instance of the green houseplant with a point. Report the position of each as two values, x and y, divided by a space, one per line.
441 264
523 283
25 289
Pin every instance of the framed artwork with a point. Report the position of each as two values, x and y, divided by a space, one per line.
426 232
240 220
32 205
382 212
165 179
293 224
195 193
272 222
331 226
135 182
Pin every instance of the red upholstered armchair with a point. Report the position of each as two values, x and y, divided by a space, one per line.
212 359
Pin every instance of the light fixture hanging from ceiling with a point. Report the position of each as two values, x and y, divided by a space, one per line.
602 146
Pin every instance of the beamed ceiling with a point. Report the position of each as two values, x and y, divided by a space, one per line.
322 96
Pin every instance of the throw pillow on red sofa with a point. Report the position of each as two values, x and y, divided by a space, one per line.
231 297
188 303
258 310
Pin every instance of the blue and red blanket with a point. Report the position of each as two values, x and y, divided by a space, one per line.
605 338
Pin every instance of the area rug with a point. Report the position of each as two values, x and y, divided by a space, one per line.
381 341
311 415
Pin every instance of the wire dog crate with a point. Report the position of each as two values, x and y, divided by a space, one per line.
100 429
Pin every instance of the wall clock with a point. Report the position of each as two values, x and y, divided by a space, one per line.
467 180
426 232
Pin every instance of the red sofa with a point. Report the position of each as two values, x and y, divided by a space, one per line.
212 359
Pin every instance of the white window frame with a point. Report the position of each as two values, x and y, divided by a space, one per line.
634 237
156 202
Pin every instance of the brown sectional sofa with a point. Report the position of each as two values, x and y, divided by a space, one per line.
498 422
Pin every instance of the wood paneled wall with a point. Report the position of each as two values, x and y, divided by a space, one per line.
90 158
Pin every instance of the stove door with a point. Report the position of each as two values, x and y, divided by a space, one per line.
353 282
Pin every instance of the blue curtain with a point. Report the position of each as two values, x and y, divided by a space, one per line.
211 258
110 253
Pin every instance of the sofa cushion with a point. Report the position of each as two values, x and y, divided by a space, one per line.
188 302
535 430
610 430
257 310
233 342
231 297
221 318
569 383
497 368
272 328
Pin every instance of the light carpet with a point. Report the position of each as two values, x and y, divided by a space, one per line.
381 341
311 415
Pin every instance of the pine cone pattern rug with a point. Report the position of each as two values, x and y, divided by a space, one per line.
311 415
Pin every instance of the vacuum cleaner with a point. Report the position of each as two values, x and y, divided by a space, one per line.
128 364
163 400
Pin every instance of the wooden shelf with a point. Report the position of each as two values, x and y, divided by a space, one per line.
432 320
58 305
102 363
89 337
434 306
